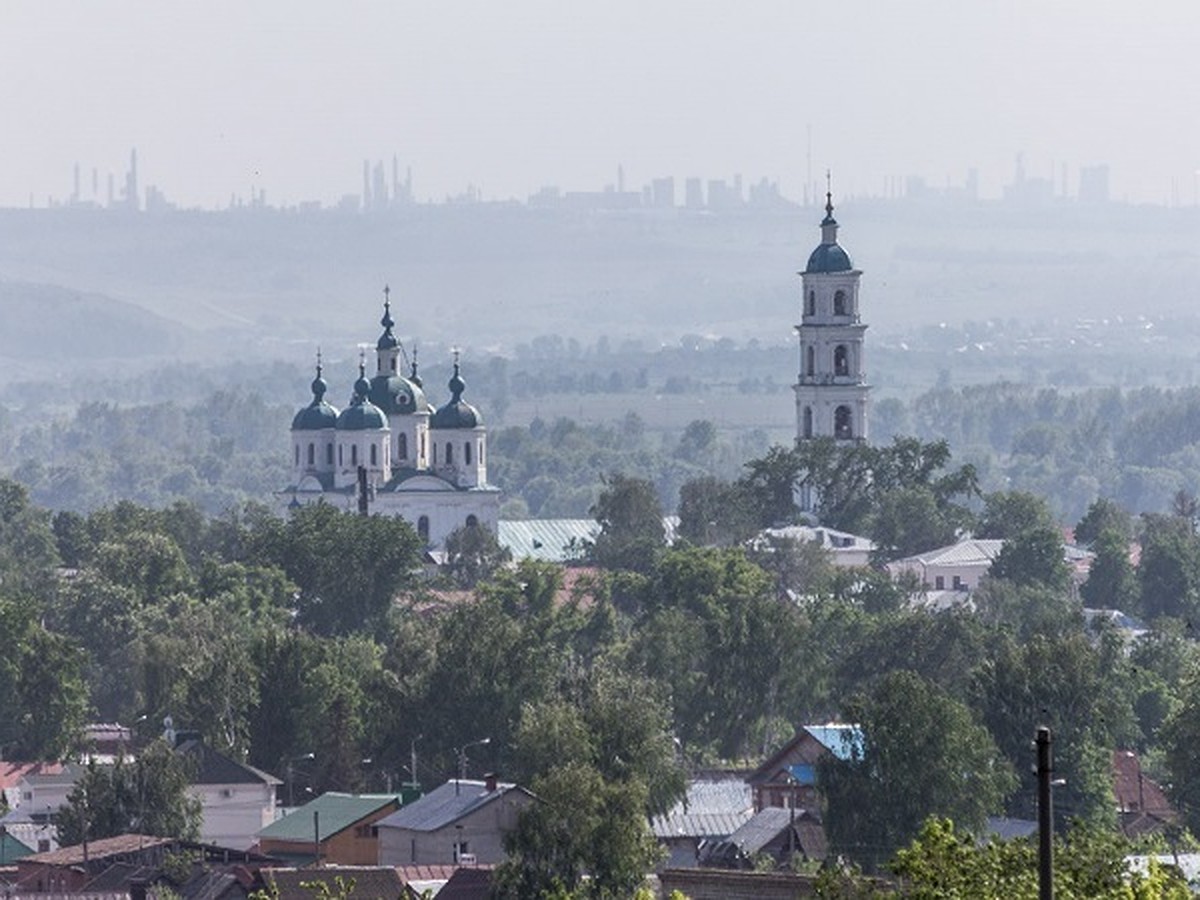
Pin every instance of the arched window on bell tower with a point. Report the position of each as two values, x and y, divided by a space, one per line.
843 428
402 446
810 304
810 363
808 422
841 360
839 303
423 528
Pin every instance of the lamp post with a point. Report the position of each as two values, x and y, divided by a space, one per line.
461 753
290 775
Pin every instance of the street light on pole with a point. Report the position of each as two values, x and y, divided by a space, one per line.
461 753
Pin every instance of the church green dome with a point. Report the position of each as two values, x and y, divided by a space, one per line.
397 394
457 413
387 340
361 414
829 255
318 414
828 258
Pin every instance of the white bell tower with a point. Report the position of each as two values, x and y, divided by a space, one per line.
831 391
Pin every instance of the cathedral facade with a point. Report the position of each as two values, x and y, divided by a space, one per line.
831 390
394 449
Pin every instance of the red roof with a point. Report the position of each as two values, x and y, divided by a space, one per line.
11 772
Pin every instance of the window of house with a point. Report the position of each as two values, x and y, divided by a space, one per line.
940 583
958 583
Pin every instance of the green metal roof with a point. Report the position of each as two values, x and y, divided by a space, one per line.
335 813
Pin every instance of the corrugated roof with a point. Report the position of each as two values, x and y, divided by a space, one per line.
12 772
113 846
711 808
373 882
545 540
445 805
335 812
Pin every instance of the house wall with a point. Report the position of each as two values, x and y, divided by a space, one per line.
357 845
234 814
482 830
969 574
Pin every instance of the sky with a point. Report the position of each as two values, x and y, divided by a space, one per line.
290 97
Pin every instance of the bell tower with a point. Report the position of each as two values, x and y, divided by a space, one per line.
831 391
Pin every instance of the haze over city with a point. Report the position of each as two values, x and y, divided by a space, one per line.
288 98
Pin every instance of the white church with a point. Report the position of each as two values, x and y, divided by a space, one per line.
391 445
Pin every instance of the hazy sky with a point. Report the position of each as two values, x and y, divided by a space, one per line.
290 96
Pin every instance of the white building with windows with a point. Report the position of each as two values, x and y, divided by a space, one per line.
425 464
831 391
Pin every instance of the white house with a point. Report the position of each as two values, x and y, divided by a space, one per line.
237 801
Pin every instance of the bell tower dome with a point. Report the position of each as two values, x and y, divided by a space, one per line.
831 390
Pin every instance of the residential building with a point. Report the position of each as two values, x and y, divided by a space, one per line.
788 778
958 567
236 800
711 810
462 822
333 828
374 882
1142 804
845 550
392 449
772 834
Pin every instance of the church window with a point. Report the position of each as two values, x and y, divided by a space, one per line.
842 427
393 364
841 360
810 305
354 454
423 527
340 454
329 454
297 454
481 453
839 303
374 456
467 453
808 422
422 444
810 365
449 453
402 446
434 450
312 452
472 521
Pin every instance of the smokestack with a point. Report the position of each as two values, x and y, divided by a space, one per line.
489 782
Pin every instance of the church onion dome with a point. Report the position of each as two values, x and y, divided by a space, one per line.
361 414
395 394
829 255
387 340
318 414
456 413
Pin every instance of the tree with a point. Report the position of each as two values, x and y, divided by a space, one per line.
147 795
348 568
1033 557
1009 513
631 524
922 753
1103 515
713 512
1169 571
1111 582
473 554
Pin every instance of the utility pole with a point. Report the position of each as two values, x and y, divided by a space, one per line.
1045 771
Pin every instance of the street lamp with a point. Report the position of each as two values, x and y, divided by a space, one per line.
290 774
461 752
